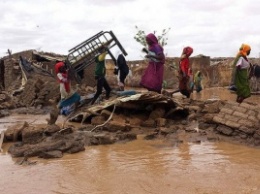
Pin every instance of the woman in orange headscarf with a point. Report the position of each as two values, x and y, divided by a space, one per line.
241 78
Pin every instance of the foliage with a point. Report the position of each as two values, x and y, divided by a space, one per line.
140 36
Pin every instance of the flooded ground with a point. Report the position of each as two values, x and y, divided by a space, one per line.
223 94
139 166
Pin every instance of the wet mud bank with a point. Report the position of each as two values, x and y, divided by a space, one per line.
153 116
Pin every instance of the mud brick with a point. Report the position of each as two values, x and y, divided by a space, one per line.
218 119
248 106
251 113
221 115
207 118
161 122
247 130
148 123
230 104
195 108
240 109
227 111
13 132
247 123
157 113
225 129
253 119
258 116
241 115
114 126
231 118
104 139
98 120
233 124
164 130
257 134
32 135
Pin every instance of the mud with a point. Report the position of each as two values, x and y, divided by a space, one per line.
120 119
172 119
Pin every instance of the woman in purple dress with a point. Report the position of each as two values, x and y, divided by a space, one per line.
152 78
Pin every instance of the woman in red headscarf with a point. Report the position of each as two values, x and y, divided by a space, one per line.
62 75
152 78
185 72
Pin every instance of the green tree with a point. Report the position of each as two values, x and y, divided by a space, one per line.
140 36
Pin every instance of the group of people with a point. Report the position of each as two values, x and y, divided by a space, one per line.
152 79
153 76
71 97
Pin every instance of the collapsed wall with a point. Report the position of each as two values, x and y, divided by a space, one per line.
29 85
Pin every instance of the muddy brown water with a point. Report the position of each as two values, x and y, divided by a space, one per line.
139 166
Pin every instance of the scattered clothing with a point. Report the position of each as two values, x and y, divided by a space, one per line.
122 70
68 105
126 93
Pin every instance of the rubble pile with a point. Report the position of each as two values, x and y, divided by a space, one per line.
121 118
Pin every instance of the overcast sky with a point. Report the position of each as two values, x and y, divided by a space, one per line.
214 28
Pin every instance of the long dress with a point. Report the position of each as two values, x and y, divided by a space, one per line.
152 78
241 78
184 77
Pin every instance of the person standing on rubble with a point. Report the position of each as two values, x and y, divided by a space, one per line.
69 98
152 78
241 75
184 72
63 78
100 73
121 70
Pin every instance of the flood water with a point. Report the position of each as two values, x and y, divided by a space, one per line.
140 167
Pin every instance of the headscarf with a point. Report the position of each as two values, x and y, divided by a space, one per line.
187 51
154 41
58 66
243 50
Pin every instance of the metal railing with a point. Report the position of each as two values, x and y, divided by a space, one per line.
84 54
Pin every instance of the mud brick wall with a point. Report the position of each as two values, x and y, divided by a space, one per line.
12 75
89 76
12 72
242 116
25 54
170 74
8 77
29 94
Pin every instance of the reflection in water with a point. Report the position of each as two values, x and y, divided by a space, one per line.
138 167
